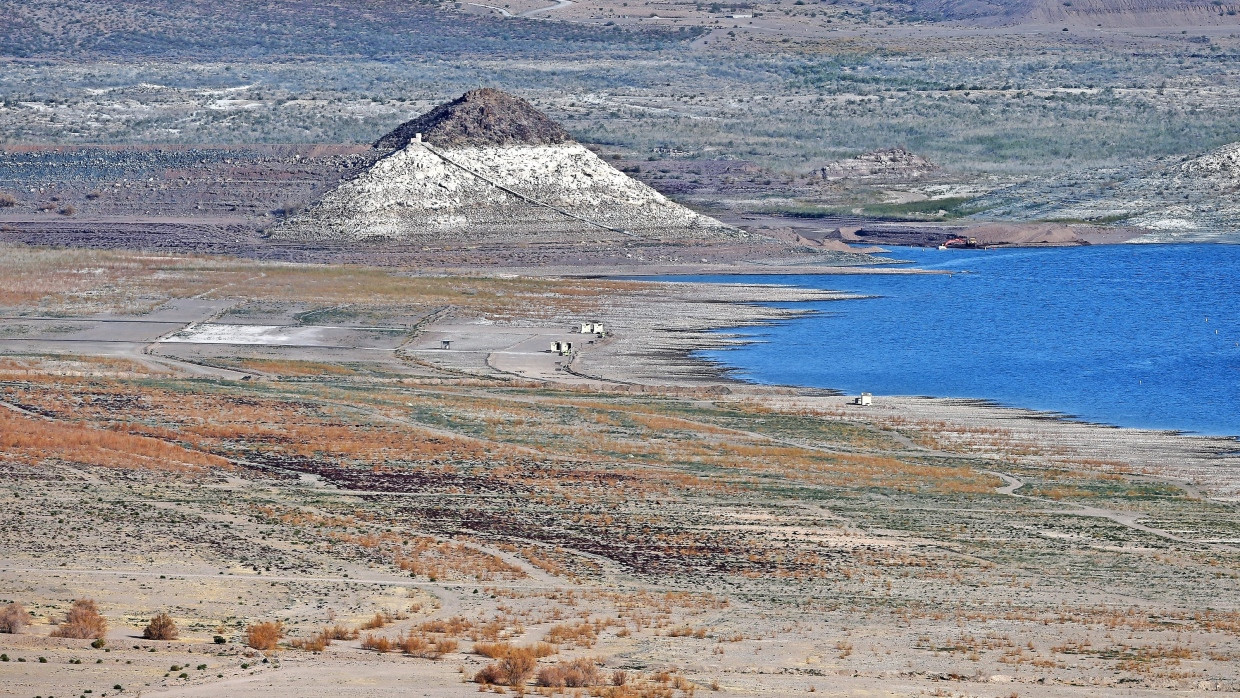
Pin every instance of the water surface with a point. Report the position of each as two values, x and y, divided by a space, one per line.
1132 335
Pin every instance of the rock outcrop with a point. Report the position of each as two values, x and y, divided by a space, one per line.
492 169
889 164
1199 195
1088 13
482 117
1180 200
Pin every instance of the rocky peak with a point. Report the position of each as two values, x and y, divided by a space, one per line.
479 117
1222 162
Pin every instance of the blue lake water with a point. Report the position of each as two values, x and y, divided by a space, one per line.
1131 335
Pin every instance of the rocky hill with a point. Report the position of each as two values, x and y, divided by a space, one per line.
491 168
1135 13
1110 13
1199 197
889 164
482 117
1193 198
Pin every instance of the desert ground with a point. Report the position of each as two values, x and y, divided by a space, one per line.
235 442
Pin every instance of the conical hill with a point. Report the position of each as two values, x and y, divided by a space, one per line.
491 169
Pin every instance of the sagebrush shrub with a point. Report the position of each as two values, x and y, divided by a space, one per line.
513 669
575 673
377 643
161 627
341 632
264 636
82 622
317 643
378 621
13 618
416 646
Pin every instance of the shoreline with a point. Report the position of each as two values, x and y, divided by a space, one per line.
1209 462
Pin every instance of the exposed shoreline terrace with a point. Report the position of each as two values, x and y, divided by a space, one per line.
237 442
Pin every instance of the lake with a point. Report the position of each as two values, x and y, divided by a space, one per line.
1131 335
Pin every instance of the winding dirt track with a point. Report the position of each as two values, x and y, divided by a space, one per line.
541 10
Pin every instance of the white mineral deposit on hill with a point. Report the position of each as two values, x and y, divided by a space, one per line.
490 166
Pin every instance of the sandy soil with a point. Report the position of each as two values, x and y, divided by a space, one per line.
702 526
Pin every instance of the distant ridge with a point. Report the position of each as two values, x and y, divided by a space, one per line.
480 117
1091 13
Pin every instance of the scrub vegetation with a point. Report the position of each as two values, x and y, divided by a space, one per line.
332 516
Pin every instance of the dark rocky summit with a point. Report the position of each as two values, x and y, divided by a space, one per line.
485 116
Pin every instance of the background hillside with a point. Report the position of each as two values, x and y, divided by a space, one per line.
1108 13
730 106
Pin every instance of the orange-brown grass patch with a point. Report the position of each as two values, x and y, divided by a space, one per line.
14 618
220 422
161 627
687 631
82 622
496 650
74 365
1058 492
491 650
35 440
265 635
552 561
315 643
354 442
92 280
426 648
341 632
1218 621
377 621
660 684
446 560
80 280
378 643
502 299
574 673
293 367
658 439
513 669
11 366
582 634
452 627
492 630
331 427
